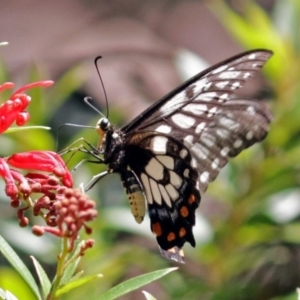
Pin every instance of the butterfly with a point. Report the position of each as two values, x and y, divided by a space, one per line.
168 155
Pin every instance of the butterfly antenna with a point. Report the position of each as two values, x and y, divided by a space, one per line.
105 95
87 101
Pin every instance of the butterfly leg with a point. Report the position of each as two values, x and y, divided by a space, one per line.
94 180
85 146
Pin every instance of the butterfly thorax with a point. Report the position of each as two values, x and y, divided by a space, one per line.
111 145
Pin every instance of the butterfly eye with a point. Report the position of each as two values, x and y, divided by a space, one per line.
103 124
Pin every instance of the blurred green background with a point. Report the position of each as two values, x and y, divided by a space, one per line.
248 229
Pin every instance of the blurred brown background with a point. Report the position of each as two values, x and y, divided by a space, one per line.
139 41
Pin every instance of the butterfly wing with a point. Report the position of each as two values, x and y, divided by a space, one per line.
178 145
163 165
216 84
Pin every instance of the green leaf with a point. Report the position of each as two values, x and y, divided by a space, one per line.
77 275
148 296
18 265
16 129
134 283
75 284
44 280
71 268
6 295
69 271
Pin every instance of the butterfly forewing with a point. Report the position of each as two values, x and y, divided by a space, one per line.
215 84
179 144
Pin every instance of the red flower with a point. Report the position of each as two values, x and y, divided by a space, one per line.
69 214
20 187
64 210
14 108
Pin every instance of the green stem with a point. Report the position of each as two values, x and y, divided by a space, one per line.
61 264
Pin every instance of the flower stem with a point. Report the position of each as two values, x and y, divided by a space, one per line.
61 266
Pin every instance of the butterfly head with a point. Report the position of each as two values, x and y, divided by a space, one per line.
102 126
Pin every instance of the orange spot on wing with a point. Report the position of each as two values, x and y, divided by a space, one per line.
171 237
184 211
191 199
156 229
182 232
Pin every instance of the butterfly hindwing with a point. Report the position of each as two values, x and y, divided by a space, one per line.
163 166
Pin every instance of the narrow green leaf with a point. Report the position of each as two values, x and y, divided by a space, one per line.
6 295
18 265
69 271
77 276
148 296
75 284
134 283
44 280
16 129
71 268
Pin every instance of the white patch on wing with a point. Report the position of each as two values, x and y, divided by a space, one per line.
183 121
252 56
159 144
228 123
165 195
154 169
222 84
237 143
223 133
183 153
188 140
225 151
155 191
200 151
201 108
208 139
207 86
199 85
163 129
249 135
220 69
229 74
215 163
194 163
146 184
186 173
207 96
200 127
175 180
173 103
223 97
167 161
195 108
212 112
251 110
204 177
235 85
247 75
172 192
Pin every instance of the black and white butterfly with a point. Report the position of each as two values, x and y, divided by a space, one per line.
169 154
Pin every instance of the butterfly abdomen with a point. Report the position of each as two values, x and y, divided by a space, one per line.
135 195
